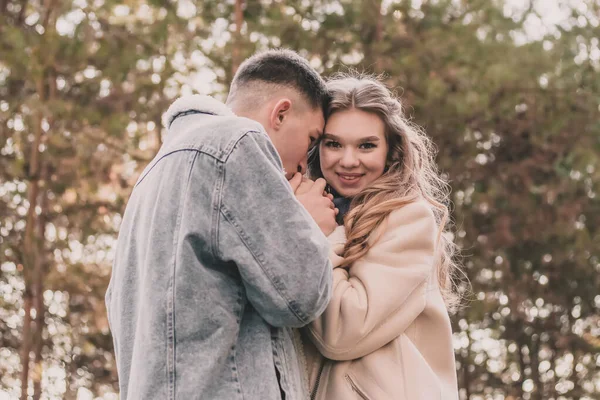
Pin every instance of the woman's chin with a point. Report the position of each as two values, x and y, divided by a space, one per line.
347 192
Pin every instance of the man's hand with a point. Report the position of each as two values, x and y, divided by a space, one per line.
318 203
301 185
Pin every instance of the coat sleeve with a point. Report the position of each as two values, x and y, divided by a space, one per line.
378 297
279 250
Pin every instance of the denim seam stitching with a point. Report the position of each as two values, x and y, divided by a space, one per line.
189 147
171 292
280 290
217 197
233 143
240 316
284 362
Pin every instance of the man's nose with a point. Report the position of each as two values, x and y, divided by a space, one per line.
302 167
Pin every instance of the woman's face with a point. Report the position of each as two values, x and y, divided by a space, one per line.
353 150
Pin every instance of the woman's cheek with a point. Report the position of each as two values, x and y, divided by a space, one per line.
326 159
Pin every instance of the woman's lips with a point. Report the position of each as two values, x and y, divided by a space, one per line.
349 179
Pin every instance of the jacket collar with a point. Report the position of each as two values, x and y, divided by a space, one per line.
198 103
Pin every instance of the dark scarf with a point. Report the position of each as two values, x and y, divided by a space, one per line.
342 204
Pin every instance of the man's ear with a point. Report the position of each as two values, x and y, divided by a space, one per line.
280 112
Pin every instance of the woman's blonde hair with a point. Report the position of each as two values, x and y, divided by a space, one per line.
411 173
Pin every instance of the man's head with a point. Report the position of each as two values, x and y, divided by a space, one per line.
279 89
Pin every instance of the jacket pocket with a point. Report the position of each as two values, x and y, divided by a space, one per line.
356 388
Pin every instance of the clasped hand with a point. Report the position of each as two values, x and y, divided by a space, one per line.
318 203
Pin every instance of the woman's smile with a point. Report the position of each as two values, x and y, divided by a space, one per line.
349 179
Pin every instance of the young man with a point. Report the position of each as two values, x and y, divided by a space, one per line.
216 256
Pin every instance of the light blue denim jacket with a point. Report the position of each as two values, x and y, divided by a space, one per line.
215 261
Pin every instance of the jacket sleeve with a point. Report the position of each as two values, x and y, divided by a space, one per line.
380 295
279 250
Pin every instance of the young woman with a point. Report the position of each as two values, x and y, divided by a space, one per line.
386 333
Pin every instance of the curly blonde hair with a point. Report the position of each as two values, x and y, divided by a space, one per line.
411 173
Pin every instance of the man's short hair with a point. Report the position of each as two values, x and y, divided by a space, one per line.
282 68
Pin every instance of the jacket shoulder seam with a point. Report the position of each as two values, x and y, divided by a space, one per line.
234 142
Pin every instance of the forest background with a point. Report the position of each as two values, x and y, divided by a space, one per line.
509 90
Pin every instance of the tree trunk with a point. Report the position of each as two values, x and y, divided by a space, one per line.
21 17
30 258
465 368
38 370
372 32
38 279
71 367
534 365
522 366
554 379
46 89
38 340
30 245
378 31
578 391
25 343
237 42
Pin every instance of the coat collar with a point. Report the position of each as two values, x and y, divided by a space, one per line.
195 102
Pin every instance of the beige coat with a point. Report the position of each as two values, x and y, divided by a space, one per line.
386 333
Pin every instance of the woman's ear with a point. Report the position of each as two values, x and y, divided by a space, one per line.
280 112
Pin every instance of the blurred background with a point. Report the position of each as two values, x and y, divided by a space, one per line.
508 89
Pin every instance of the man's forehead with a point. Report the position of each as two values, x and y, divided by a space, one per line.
319 129
317 121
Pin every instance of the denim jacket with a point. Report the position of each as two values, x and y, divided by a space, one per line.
216 260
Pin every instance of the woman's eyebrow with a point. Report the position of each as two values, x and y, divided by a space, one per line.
330 136
370 139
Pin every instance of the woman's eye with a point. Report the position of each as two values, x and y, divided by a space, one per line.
332 144
368 146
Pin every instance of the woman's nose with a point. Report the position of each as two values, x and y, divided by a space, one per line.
349 159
